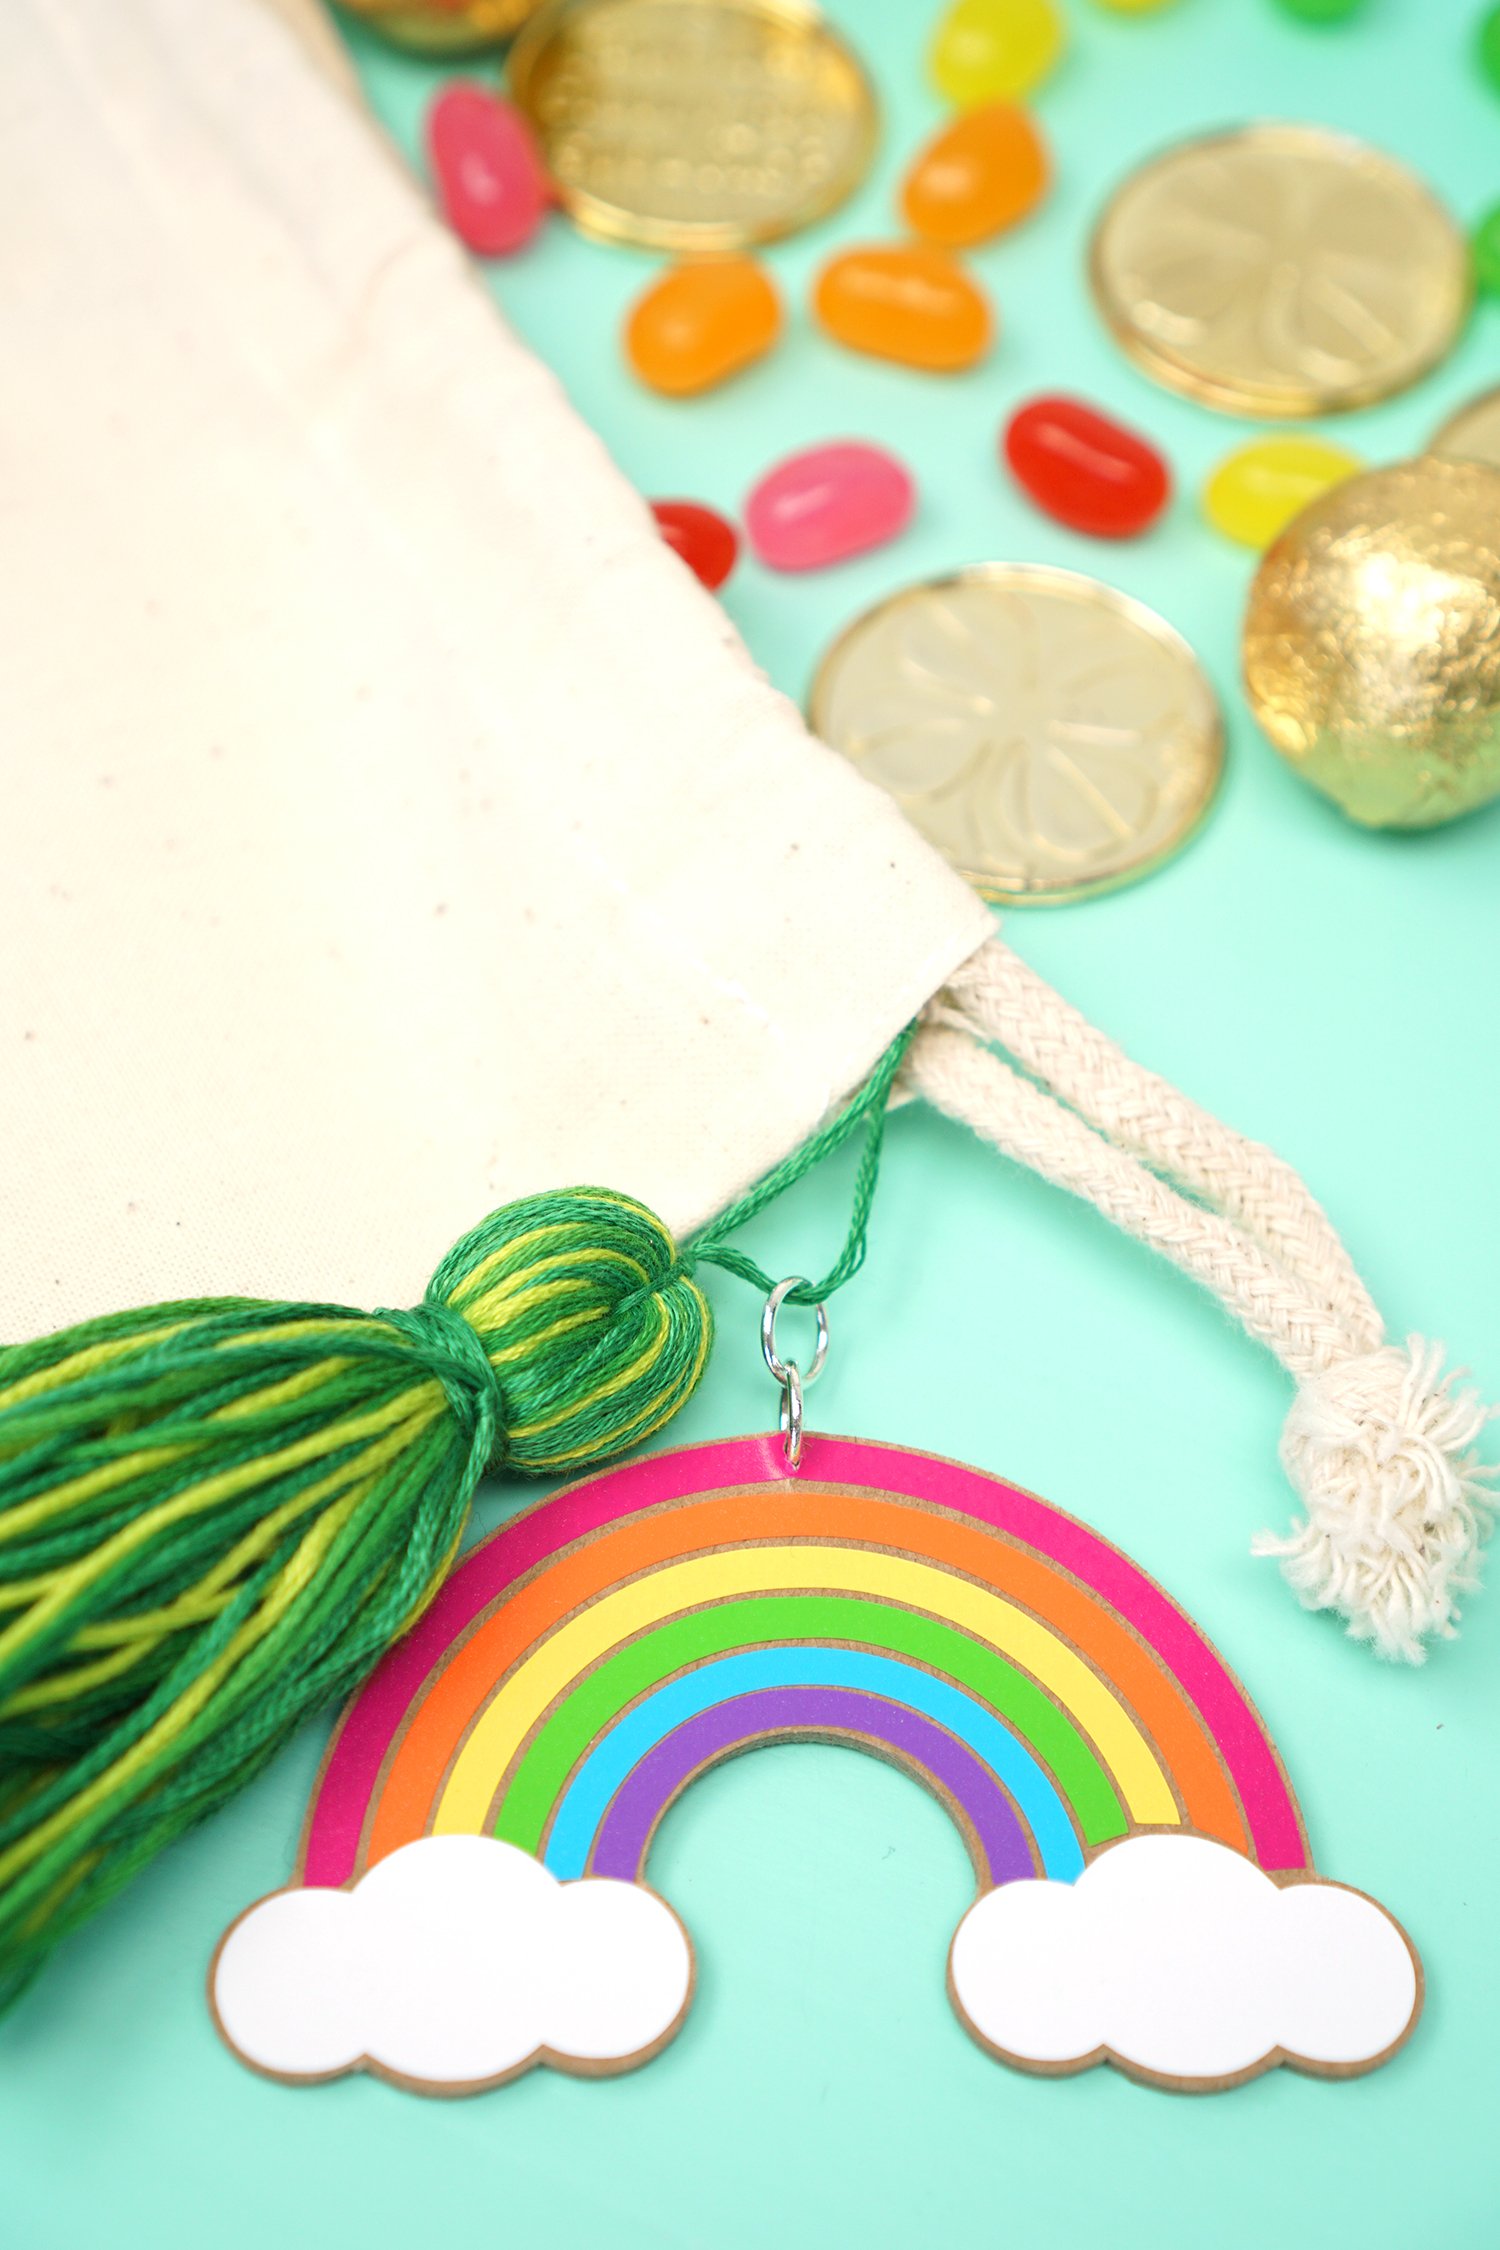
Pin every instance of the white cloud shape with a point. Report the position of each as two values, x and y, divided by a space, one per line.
1178 1959
454 1963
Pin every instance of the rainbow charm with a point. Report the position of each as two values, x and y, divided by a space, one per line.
476 1847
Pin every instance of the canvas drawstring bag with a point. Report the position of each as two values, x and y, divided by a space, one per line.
393 831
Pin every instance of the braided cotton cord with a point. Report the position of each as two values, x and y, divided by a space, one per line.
970 1083
1009 1003
1379 1442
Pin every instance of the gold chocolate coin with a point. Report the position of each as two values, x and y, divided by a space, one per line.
1473 433
1280 270
1372 642
444 27
1052 737
694 125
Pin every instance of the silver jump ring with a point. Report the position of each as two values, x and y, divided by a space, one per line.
791 1415
786 1371
778 1366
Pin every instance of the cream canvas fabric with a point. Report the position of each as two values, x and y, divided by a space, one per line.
389 825
310 20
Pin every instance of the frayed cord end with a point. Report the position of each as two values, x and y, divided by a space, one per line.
1379 1448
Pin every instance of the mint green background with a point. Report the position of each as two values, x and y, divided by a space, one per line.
1329 991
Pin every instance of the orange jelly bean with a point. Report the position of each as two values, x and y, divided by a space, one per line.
914 303
701 322
979 175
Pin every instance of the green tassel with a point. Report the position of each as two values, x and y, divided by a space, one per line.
217 1516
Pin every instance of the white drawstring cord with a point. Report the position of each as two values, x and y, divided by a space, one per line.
1379 1442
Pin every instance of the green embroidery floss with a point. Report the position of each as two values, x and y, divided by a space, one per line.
215 1516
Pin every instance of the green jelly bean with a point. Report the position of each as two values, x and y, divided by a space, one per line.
1322 11
1486 248
1489 47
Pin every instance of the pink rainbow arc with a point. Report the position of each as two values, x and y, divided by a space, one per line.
357 1759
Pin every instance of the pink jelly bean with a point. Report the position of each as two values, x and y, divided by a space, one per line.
488 173
831 501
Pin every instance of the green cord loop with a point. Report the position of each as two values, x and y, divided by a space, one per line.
709 1246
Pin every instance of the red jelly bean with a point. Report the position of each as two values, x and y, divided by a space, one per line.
706 543
489 176
1085 470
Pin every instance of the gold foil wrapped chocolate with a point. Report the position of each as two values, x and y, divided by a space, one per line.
1372 642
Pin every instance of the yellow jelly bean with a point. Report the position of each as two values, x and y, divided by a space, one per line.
993 50
1134 7
1254 493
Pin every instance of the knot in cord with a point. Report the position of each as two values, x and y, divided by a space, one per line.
1380 1448
454 1352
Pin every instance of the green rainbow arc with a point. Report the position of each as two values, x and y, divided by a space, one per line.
530 1792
